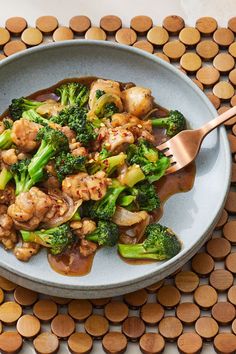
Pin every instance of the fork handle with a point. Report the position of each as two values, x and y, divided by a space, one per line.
208 127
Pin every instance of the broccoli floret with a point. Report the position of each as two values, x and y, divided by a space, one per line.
67 164
173 124
33 116
73 93
19 105
109 109
8 123
52 142
107 164
161 243
5 177
105 105
99 93
152 162
106 234
5 139
56 239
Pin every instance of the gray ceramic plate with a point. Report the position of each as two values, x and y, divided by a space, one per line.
192 215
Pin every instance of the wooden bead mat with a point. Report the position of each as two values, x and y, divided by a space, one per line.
193 311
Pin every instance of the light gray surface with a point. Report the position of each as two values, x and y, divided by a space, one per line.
192 215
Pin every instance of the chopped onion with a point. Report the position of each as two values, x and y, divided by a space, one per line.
124 217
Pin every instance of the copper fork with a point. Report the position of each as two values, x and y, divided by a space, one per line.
184 147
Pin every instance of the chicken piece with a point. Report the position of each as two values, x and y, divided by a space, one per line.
87 248
77 149
51 183
7 196
26 251
83 227
108 86
58 208
24 134
9 157
30 208
117 138
137 100
2 127
69 133
8 235
50 108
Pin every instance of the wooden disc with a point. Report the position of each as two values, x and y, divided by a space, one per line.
189 343
221 279
151 289
225 343
16 25
232 77
25 297
133 327
186 281
45 309
223 62
152 313
223 90
151 343
80 343
189 36
230 204
206 327
214 100
223 312
173 24
2 56
222 220
10 312
162 56
47 24
100 303
13 47
136 299
60 300
207 49
79 310
144 45
206 25
202 264
198 83
205 296
62 326
116 312
158 36
229 231
114 342
234 326
218 248
62 34
4 36
126 36
170 328
232 24
232 143
187 312
230 262
223 36
32 37
232 49
46 343
28 326
233 173
191 62
7 285
232 295
233 99
208 75
168 296
1 296
96 326
229 122
10 342
110 23
141 24
174 49
80 24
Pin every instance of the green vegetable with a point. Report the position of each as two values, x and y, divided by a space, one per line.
173 124
67 164
73 93
20 105
106 234
107 164
5 177
33 116
5 140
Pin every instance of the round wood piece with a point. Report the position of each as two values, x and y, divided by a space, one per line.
187 312
32 36
189 36
25 297
47 24
186 281
62 34
229 231
223 36
144 45
10 342
62 326
190 62
223 312
233 100
152 313
110 23
4 36
232 24
222 220
198 83
232 49
205 296
230 204
223 90
233 173
60 300
225 343
136 299
232 295
221 279
223 62
232 143
80 343
13 47
133 327
174 49
10 312
208 75
162 56
189 343
206 327
173 24
170 328
206 25
1 296
151 343
97 326
7 285
151 289
2 56
141 24
158 36
126 36
28 326
202 264
230 262
218 248
229 122
114 342
100 303
232 77
116 312
234 326
168 296
46 343
16 25
80 24
45 309
214 100
79 310
207 49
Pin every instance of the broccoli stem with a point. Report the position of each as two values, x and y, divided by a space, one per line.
159 122
23 185
33 116
126 200
31 236
40 159
76 216
138 252
5 139
5 177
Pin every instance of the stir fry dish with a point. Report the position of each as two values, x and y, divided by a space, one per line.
80 170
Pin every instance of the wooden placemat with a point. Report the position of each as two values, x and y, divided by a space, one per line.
194 308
